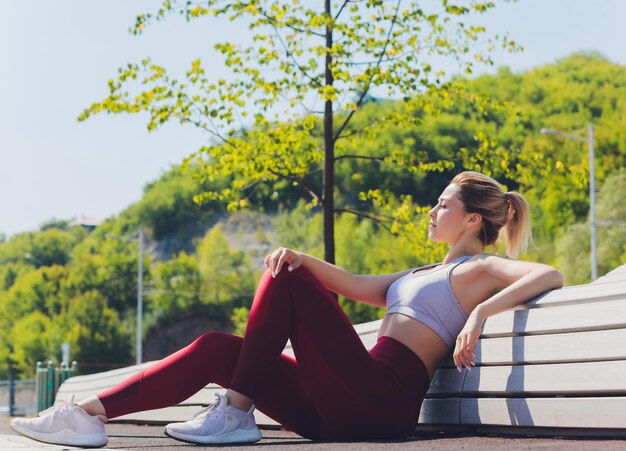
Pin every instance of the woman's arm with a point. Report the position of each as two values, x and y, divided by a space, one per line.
518 282
370 289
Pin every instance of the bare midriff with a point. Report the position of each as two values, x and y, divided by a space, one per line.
416 336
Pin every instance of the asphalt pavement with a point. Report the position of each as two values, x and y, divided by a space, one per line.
134 437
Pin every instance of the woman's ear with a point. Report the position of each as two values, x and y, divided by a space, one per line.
475 219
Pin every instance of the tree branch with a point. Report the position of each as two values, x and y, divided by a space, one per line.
300 182
293 58
369 81
366 215
211 132
273 21
341 9
357 132
363 157
254 185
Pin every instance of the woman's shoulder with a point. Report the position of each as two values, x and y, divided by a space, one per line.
504 268
489 263
485 259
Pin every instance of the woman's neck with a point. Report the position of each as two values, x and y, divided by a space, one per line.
461 249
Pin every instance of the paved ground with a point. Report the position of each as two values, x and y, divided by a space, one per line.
151 438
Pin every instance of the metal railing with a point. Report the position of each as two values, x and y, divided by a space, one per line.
49 379
18 397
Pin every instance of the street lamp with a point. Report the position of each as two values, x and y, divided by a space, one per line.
139 239
592 189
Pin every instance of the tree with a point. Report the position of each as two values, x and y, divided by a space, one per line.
116 274
573 254
55 223
611 214
225 272
29 342
340 55
10 272
51 246
177 286
95 331
573 245
39 290
168 205
239 318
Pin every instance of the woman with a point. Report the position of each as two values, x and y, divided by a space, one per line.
334 388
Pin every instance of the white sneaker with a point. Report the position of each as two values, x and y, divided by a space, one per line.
218 423
64 424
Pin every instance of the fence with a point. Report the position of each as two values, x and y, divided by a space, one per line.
49 379
18 397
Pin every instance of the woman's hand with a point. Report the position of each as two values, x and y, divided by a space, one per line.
279 257
464 352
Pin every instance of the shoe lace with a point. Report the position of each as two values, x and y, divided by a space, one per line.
59 410
216 407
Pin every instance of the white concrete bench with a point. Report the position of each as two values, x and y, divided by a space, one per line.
556 366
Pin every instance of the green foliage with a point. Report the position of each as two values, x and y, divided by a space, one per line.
46 248
167 206
177 286
94 329
300 228
213 282
225 272
338 57
573 254
9 272
239 319
44 279
55 223
566 96
574 244
116 274
611 219
38 290
29 339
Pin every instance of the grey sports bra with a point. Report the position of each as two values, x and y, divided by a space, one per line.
428 298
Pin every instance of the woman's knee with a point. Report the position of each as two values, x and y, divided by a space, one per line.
282 274
298 275
297 287
279 286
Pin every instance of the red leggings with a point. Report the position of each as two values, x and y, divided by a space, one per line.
333 389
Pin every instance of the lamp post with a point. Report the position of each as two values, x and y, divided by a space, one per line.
592 188
138 343
139 239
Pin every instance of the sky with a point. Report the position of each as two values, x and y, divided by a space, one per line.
57 56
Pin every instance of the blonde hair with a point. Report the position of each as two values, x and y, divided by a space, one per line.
507 212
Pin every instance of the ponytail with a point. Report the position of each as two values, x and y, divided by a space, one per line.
517 230
507 212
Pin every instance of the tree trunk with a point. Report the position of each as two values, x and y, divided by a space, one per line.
329 156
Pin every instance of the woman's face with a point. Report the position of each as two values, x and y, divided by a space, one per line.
448 219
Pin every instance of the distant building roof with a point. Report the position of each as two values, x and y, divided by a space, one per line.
86 222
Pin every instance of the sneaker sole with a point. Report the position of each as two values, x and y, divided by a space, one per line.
65 437
240 436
